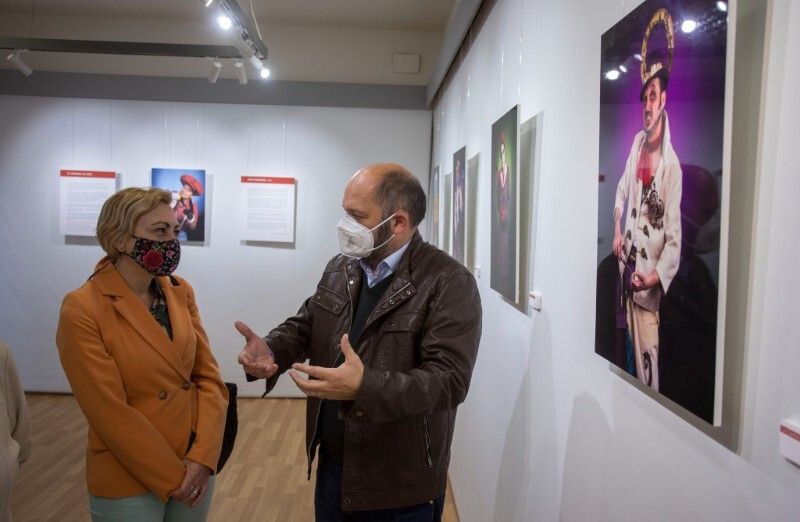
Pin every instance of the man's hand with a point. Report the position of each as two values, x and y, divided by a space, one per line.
255 357
338 384
194 485
641 282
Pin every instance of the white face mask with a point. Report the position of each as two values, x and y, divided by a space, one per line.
356 240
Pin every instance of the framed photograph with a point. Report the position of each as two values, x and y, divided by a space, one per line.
459 205
663 198
434 212
505 206
473 174
188 189
447 244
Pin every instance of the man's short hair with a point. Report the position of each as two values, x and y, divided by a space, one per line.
399 190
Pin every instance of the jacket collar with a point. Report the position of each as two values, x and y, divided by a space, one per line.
403 274
109 282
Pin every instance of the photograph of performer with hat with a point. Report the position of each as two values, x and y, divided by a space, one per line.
662 81
648 246
188 199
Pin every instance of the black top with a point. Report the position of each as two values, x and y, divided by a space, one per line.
331 426
159 308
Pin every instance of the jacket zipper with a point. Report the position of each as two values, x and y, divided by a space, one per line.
338 352
427 441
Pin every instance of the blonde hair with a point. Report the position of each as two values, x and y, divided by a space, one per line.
122 211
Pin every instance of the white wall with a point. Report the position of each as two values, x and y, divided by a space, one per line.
548 432
321 147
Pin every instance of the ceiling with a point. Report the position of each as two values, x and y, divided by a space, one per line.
405 15
345 41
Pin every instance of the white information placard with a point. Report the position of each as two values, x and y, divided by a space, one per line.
267 209
82 194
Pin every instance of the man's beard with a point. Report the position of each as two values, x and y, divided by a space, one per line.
382 235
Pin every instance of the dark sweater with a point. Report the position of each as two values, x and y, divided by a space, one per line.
331 426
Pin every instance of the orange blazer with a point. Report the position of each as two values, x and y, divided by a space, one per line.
141 392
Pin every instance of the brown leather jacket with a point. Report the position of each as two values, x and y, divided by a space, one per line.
418 347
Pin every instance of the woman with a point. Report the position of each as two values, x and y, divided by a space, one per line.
15 429
138 360
186 211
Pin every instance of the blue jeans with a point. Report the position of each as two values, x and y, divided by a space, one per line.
328 502
149 508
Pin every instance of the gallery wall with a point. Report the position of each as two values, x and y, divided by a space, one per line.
256 283
549 431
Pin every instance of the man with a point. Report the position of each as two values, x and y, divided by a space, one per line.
649 251
392 334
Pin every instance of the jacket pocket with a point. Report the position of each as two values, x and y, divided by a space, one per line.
329 300
404 322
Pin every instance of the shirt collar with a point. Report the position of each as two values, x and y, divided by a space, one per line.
385 268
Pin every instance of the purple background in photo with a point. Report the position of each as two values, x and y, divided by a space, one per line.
695 108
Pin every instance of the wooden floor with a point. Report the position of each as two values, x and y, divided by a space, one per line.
264 480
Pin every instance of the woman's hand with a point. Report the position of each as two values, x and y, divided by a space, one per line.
194 485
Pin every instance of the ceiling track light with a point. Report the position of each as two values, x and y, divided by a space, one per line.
15 58
238 66
258 65
245 35
216 67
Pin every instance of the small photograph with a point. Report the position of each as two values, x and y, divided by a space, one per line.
505 202
188 189
434 208
459 205
447 240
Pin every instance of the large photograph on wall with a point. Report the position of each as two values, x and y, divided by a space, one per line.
662 195
433 206
188 189
459 205
505 203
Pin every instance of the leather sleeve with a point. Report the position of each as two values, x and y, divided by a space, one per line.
290 342
98 388
448 349
212 395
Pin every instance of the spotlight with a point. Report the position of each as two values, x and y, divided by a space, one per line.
258 65
613 74
216 67
688 26
209 2
17 61
722 6
224 22
255 62
638 56
623 68
238 66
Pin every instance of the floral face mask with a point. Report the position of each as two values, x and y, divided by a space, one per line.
160 258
